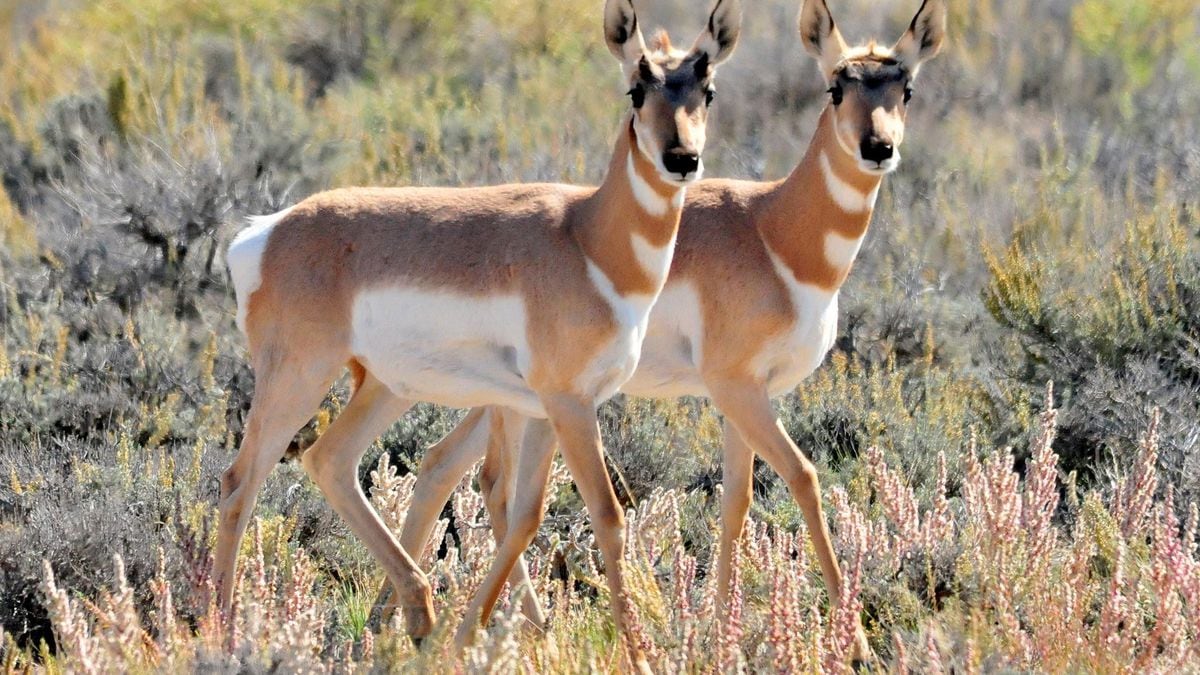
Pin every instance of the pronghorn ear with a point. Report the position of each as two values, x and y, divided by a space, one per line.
720 36
821 37
621 32
923 39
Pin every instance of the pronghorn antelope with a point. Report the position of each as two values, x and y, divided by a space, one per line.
750 306
530 297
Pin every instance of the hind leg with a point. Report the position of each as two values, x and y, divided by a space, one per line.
332 462
286 395
444 465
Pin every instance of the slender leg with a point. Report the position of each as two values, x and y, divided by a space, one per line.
332 463
579 437
747 406
738 460
444 465
533 472
285 397
498 482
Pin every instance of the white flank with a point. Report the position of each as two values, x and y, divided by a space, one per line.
840 251
650 201
244 259
446 348
654 260
849 198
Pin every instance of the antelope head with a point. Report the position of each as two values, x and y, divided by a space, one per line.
671 89
870 86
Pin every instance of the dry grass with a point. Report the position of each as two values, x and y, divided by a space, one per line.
993 575
1043 227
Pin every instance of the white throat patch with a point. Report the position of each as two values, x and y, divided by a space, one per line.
650 201
654 260
841 251
845 195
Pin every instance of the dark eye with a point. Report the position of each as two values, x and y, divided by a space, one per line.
638 95
835 93
907 94
709 95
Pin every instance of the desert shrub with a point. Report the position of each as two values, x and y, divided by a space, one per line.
982 577
1113 321
1042 227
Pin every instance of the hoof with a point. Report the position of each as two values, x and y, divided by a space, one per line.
417 641
418 621
862 657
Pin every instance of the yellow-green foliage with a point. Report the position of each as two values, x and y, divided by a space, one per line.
1042 226
15 233
1113 296
1138 34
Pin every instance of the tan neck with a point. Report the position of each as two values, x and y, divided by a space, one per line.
615 222
819 211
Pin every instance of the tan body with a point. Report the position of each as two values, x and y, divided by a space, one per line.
524 248
731 324
519 246
752 291
530 297
749 310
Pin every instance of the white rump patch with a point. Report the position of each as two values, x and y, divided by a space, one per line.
446 348
848 197
650 201
244 259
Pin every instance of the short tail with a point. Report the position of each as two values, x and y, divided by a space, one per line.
244 259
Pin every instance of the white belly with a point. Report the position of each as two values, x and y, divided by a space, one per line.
456 350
